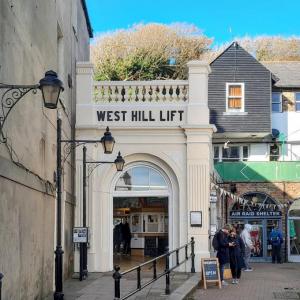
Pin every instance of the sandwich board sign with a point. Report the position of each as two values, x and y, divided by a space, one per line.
210 271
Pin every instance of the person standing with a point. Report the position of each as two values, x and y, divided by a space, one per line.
223 250
126 237
276 241
236 255
246 237
118 238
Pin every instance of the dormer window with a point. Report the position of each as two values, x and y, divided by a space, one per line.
235 97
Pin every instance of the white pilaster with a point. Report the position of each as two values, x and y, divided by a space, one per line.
199 156
198 112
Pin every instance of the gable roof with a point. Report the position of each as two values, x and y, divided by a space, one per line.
288 73
237 46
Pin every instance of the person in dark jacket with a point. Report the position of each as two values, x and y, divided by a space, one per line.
236 255
223 250
118 237
126 238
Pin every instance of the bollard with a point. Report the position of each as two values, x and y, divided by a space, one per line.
117 277
154 270
167 291
1 276
138 278
193 255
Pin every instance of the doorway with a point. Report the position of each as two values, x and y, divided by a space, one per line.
140 217
263 213
294 232
261 229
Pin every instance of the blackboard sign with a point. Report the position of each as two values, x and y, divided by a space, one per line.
210 271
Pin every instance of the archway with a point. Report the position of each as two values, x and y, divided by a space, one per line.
140 214
263 213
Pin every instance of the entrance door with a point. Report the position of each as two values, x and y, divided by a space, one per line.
258 239
140 229
294 239
260 233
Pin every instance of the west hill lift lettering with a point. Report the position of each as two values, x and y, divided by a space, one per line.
140 116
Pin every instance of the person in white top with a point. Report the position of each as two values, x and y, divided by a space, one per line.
245 235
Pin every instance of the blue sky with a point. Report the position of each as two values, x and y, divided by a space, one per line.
214 17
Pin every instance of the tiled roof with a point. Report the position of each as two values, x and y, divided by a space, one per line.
287 72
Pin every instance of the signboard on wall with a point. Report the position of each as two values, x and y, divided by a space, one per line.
80 234
255 214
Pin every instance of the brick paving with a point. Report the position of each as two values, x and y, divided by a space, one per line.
267 281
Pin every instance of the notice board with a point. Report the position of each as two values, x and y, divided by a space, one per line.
210 271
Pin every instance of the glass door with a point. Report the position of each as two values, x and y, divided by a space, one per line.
257 236
294 239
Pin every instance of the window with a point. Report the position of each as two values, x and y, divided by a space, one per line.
245 153
274 152
276 102
233 153
141 178
297 101
235 97
216 153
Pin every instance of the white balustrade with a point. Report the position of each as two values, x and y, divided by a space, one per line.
141 91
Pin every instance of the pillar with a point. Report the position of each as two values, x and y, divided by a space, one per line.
199 156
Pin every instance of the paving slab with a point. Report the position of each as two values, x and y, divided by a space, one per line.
101 286
267 281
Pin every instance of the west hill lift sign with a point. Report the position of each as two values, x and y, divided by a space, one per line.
174 116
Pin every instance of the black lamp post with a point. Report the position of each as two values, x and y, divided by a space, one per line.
119 163
51 86
108 143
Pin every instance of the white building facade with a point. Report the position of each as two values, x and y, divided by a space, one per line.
159 125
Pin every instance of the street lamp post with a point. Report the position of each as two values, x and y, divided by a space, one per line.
119 163
50 87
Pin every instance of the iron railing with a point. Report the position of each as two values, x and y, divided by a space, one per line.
118 275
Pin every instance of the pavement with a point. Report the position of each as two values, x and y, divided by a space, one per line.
266 282
101 286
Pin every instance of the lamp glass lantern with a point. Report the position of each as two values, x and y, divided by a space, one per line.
107 142
119 162
51 87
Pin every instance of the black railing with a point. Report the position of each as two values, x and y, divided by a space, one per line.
118 275
1 276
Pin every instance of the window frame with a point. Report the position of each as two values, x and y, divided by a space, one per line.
233 110
297 101
241 153
280 102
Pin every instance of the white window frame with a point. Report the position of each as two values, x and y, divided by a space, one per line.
241 158
297 101
280 111
242 109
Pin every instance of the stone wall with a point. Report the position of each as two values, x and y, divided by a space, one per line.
36 36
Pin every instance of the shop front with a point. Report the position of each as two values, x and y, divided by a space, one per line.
263 213
162 130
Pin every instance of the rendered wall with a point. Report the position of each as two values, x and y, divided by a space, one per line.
36 36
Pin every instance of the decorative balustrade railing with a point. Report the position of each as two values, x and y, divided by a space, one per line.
140 91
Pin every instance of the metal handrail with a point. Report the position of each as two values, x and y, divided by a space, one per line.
118 275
